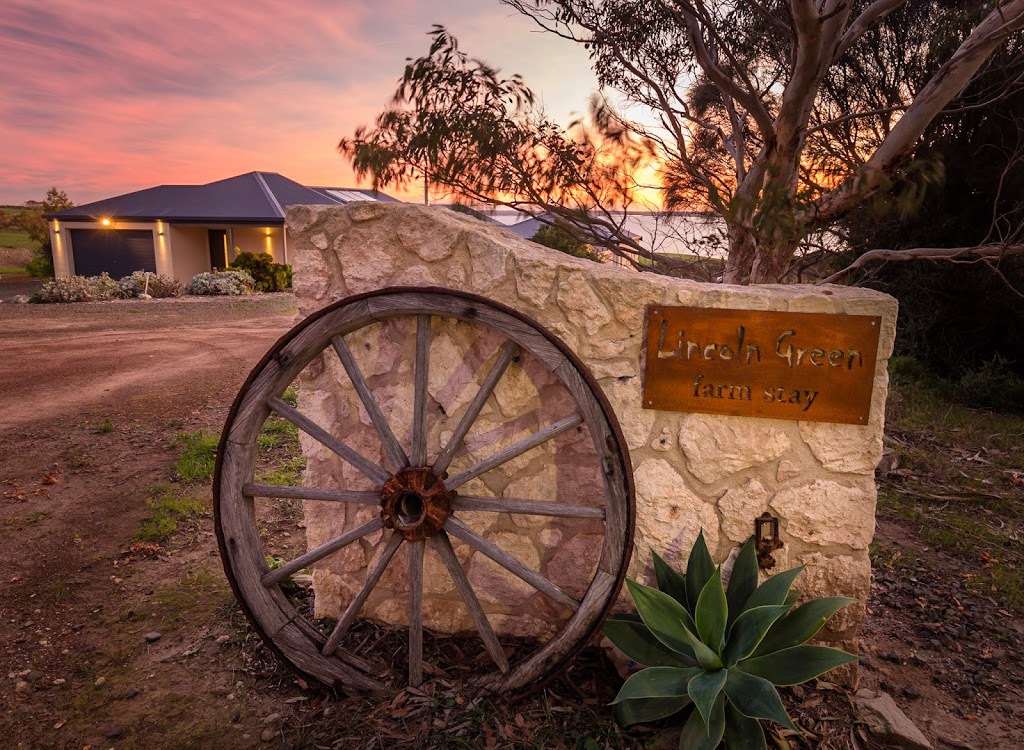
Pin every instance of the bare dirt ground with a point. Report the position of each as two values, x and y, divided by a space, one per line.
94 398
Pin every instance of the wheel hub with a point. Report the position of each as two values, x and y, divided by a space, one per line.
415 503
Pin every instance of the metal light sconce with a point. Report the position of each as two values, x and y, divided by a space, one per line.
766 540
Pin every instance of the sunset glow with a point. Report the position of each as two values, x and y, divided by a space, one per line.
106 98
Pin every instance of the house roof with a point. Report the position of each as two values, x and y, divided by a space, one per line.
252 198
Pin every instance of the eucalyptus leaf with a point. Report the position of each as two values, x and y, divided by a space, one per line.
800 625
792 666
636 641
773 591
697 736
704 689
748 630
649 709
756 698
712 613
742 732
670 580
657 682
664 616
742 581
699 569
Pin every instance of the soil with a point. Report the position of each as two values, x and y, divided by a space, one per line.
109 643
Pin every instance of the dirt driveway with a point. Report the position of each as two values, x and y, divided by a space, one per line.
93 396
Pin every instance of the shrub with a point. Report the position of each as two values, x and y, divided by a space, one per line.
719 653
221 282
79 289
159 286
994 386
41 265
268 275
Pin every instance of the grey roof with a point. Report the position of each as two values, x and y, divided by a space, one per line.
252 198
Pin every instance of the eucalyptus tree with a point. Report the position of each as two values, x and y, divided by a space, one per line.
780 116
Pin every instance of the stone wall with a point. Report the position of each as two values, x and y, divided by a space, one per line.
692 471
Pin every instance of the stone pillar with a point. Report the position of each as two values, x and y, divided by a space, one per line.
692 471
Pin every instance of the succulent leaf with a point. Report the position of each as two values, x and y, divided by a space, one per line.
742 581
664 616
792 666
712 612
800 625
699 569
756 698
704 689
657 682
670 580
773 592
748 630
742 732
706 658
630 712
636 641
696 736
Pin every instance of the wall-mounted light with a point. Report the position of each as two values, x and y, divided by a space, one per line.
161 232
268 233
105 222
766 539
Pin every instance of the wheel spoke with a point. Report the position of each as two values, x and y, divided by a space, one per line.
422 375
375 473
527 507
359 497
507 353
349 615
303 561
415 552
513 565
443 546
387 438
516 449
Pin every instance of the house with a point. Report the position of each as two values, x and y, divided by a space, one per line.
182 230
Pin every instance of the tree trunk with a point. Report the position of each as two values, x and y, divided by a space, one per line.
742 252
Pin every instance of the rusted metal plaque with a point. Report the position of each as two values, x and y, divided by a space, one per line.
814 367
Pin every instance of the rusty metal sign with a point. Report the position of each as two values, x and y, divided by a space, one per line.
814 367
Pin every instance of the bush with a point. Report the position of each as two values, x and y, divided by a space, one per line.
159 286
41 265
994 386
718 653
268 275
222 282
79 289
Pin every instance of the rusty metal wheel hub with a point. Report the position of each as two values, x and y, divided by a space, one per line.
415 503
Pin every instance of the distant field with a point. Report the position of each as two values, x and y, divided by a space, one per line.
16 239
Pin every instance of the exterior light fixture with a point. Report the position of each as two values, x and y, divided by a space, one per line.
766 540
105 222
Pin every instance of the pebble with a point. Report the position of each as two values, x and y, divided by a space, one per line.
114 731
911 692
59 681
100 681
273 720
153 636
33 676
131 693
223 639
21 686
268 735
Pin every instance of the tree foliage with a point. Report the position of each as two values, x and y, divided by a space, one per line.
38 229
782 117
561 236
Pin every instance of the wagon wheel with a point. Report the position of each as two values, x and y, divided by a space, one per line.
419 504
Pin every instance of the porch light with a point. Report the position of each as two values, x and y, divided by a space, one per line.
105 222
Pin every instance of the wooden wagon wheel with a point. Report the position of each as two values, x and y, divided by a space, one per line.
418 501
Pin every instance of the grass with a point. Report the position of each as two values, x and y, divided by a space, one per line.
959 482
105 426
198 455
14 239
168 510
13 271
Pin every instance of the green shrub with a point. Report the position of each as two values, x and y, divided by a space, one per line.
233 283
159 286
719 653
994 386
41 264
268 275
79 289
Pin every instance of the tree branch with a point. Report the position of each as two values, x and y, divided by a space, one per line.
977 254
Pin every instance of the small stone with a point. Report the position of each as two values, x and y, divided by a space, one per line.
59 681
274 720
131 693
267 735
114 731
223 639
34 676
153 636
887 723
21 686
100 681
911 692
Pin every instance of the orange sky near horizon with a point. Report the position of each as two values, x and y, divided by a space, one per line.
106 98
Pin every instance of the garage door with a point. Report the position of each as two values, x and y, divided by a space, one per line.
117 252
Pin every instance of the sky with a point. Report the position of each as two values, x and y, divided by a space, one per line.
102 98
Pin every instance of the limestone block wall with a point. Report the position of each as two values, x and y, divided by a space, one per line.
692 471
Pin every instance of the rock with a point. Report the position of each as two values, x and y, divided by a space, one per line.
716 446
911 692
34 676
131 693
113 731
267 735
274 720
21 686
826 513
887 723
153 636
100 681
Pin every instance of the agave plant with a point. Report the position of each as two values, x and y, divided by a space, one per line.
719 652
